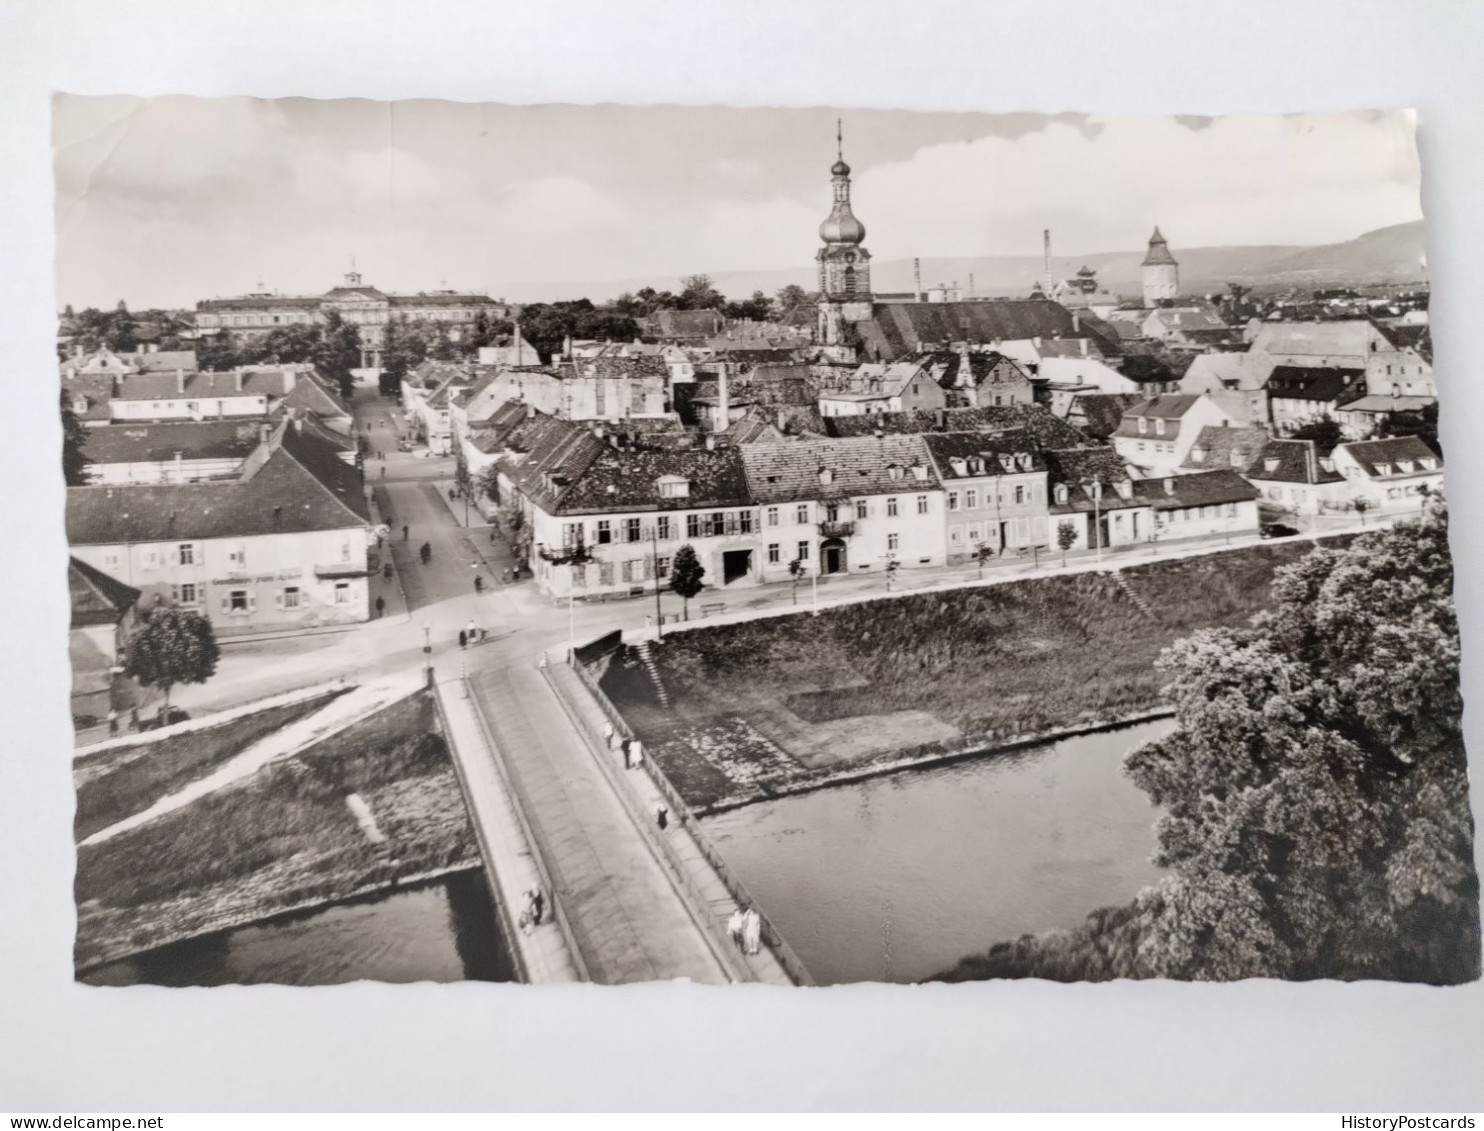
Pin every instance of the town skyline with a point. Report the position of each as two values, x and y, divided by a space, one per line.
572 210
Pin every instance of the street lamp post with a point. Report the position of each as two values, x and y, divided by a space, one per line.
428 652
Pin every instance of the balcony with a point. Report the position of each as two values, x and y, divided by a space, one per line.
838 528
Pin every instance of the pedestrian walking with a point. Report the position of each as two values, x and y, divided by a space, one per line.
113 722
463 639
472 629
636 754
735 924
134 718
478 583
380 606
404 533
752 930
608 733
538 905
624 746
662 817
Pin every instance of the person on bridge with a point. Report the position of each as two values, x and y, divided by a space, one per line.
478 583
426 552
736 923
752 930
538 906
662 817
463 639
380 606
404 532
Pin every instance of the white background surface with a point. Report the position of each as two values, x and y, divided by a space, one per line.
1025 1046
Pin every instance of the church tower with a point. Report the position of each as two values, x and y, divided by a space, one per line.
1161 272
844 264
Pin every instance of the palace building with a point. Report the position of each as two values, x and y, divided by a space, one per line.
366 307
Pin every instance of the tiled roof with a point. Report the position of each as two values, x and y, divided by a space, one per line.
149 443
202 386
1079 468
261 302
1147 369
1050 431
896 328
1312 382
1384 404
641 365
96 389
993 448
779 473
628 479
551 455
1226 449
162 360
1101 411
1189 320
303 486
314 396
1291 461
1198 489
1348 337
1170 406
97 598
1371 453
438 298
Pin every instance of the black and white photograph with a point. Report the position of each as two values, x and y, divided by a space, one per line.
604 544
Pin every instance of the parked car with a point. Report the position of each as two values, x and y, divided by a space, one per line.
1279 530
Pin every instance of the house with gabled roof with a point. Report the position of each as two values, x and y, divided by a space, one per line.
874 388
855 505
1200 504
1293 477
1156 434
102 617
171 452
1093 499
995 492
282 546
1395 476
1299 395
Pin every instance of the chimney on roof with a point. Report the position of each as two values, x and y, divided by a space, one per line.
723 404
1083 343
965 369
1076 322
237 379
180 382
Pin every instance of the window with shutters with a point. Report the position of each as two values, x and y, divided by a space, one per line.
187 552
744 522
605 532
188 594
1020 494
922 504
292 597
664 531
237 601
893 541
605 573
579 576
692 526
953 500
891 507
862 508
775 553
803 551
662 568
237 557
772 516
971 499
801 513
631 531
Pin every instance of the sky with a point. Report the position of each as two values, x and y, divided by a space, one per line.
166 201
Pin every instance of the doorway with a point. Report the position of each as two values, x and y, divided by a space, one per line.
735 565
832 556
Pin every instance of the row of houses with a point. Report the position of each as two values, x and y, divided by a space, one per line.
605 512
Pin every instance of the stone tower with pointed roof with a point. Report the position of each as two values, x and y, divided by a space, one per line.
1161 272
844 264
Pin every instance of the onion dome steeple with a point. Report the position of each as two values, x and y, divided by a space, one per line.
841 226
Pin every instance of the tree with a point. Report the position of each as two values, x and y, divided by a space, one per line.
983 552
1325 434
1315 793
1422 423
1360 504
698 293
791 297
172 646
686 572
74 437
1066 534
796 572
758 308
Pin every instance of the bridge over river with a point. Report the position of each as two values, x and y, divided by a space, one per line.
554 808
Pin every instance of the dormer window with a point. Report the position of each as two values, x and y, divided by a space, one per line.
1169 486
1270 464
1383 469
1198 455
674 487
1023 459
1427 464
1061 492
826 476
1236 459
920 471
1405 466
894 471
1159 427
1007 462
1143 426
960 466
1125 489
80 405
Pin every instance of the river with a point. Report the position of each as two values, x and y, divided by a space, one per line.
894 879
444 931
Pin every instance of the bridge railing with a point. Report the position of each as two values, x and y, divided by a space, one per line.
770 936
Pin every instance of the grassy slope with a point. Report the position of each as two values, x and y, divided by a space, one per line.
994 662
282 836
121 782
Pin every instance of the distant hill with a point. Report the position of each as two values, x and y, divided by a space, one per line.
1387 255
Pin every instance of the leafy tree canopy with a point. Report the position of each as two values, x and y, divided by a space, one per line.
1315 796
74 437
172 646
